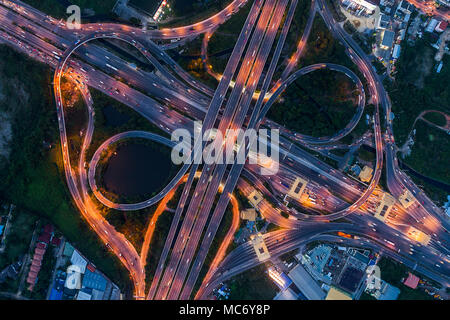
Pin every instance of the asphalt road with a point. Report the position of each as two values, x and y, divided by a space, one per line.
190 97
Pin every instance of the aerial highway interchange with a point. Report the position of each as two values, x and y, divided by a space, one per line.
245 92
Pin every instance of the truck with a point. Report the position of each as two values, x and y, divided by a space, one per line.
110 66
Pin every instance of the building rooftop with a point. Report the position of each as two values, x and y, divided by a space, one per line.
94 280
350 278
388 292
431 25
68 249
385 206
45 237
83 296
48 228
149 7
287 294
280 278
255 198
79 261
91 267
383 22
97 294
297 188
56 241
56 295
248 214
356 169
39 252
35 269
36 263
359 256
406 199
396 52
441 26
412 281
318 257
366 174
388 39
73 280
306 284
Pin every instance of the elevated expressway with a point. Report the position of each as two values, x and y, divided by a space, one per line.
255 57
123 249
376 88
115 138
167 34
279 242
106 232
147 112
395 177
236 168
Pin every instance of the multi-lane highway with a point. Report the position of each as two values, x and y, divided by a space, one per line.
191 230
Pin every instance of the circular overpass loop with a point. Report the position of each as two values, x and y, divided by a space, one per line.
139 205
129 134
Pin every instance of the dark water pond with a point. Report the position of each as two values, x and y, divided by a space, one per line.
137 170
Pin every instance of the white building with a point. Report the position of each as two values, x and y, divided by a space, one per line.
360 5
73 280
366 4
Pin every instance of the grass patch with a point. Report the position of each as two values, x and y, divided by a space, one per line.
408 99
253 284
366 155
297 26
133 224
430 143
322 47
318 104
50 7
436 118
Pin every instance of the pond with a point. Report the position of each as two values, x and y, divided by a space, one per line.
137 170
